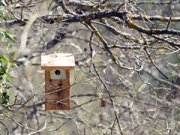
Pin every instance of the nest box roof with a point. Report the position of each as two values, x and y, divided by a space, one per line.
57 61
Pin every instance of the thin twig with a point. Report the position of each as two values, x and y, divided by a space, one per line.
106 88
168 23
154 63
5 128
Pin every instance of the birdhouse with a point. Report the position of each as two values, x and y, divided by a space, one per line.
57 80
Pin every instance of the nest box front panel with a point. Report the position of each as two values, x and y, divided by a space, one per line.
57 91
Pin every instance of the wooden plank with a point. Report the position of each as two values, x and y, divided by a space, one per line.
65 93
57 61
57 92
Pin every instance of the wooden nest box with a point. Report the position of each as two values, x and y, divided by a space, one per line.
57 80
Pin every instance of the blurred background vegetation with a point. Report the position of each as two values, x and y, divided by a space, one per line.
132 96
